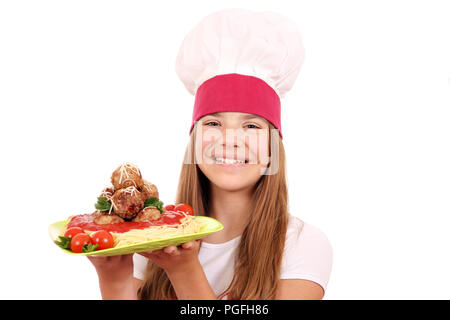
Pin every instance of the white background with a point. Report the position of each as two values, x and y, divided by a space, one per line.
86 85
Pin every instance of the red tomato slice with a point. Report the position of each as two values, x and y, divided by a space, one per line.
78 241
183 207
103 238
71 232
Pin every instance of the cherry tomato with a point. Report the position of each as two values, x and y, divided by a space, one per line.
169 207
71 232
185 208
103 238
78 241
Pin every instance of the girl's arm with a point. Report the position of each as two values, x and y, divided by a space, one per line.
298 289
191 283
115 277
184 270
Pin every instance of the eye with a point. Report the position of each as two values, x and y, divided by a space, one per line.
211 123
252 126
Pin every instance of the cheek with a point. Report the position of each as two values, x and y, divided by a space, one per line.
202 149
206 152
207 141
258 150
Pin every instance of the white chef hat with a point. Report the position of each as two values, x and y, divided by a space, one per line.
242 61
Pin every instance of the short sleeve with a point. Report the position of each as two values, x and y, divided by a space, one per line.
307 255
140 266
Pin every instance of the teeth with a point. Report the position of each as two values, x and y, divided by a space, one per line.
229 161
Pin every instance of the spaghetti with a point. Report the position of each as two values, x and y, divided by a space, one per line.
188 226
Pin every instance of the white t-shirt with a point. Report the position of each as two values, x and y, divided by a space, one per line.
307 255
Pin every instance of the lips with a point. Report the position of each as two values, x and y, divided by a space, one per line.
229 160
220 160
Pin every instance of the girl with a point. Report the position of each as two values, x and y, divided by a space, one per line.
233 171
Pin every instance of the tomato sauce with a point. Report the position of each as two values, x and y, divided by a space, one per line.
86 222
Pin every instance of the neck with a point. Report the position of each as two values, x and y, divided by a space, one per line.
232 209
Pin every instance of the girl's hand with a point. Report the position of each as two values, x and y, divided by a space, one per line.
175 260
184 270
115 268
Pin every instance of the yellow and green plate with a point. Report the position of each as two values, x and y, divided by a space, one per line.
208 226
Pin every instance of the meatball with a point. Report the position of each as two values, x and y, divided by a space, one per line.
149 213
127 175
127 202
107 193
107 219
149 190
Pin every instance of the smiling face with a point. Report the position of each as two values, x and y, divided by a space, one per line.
232 149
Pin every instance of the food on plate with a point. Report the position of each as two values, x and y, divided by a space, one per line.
71 232
101 218
103 239
127 175
149 213
182 207
149 190
127 212
169 207
79 241
107 193
127 202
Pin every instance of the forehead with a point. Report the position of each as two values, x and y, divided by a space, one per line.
235 115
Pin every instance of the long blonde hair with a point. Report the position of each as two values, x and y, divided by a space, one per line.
260 252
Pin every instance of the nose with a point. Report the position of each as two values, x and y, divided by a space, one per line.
232 139
232 144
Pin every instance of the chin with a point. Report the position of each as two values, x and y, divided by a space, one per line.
232 181
231 186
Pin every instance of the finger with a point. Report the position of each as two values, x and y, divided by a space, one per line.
171 250
187 245
146 254
94 258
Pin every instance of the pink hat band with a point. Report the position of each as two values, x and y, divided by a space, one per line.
237 93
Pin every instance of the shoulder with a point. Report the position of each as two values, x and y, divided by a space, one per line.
308 253
305 234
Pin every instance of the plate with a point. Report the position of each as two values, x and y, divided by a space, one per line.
208 226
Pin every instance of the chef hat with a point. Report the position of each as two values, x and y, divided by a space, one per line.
241 61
